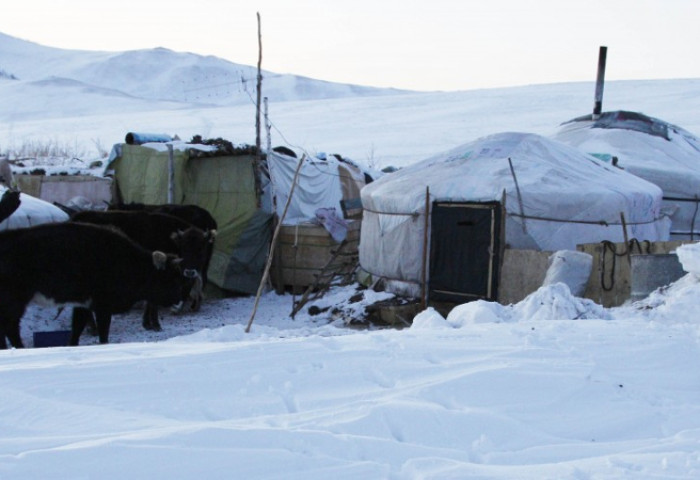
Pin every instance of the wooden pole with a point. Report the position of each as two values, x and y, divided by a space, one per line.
258 142
171 174
268 127
424 272
263 280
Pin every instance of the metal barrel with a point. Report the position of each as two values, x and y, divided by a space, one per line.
649 272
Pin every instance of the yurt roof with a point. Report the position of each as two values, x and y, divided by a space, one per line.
658 151
564 195
32 211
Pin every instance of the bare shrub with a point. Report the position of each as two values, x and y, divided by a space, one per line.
33 149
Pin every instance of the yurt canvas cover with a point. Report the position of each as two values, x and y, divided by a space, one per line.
223 185
32 211
664 154
553 197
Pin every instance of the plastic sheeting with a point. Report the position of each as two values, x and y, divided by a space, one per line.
571 268
670 159
563 197
320 184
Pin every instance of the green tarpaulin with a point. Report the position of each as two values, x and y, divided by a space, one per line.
223 185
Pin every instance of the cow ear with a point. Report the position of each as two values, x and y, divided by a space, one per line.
210 235
159 260
176 236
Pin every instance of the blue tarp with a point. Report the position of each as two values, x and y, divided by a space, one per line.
133 138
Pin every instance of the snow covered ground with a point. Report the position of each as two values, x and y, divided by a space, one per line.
554 387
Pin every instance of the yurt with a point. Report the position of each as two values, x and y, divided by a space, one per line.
31 211
664 154
444 222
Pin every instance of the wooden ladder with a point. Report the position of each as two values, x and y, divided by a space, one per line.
332 273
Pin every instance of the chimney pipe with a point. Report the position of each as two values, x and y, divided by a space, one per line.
600 81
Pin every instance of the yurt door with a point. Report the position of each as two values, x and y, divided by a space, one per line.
465 247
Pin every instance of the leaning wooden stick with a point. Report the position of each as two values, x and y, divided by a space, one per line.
273 243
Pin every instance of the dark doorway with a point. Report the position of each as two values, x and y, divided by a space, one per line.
465 251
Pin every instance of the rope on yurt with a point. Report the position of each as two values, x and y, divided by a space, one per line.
603 223
696 201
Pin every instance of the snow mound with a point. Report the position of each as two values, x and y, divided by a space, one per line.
479 311
556 302
689 256
550 302
429 319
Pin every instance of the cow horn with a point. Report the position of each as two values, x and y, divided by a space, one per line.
211 234
175 236
159 260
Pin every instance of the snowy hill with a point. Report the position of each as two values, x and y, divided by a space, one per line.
80 99
164 75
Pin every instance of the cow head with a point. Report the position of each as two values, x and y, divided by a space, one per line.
192 246
170 281
160 260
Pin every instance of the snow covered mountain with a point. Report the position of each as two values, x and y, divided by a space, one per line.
160 74
84 102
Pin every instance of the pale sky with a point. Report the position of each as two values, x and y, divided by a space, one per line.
411 44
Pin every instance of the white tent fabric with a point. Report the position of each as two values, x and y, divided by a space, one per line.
319 185
670 160
32 211
563 197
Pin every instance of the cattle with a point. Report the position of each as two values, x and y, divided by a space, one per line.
194 214
157 231
95 269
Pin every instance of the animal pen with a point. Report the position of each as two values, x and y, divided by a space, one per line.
245 193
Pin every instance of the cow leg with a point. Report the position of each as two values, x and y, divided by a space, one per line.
10 315
13 335
103 320
90 324
80 318
150 317
196 302
194 292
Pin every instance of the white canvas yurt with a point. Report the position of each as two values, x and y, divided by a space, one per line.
31 211
664 154
509 190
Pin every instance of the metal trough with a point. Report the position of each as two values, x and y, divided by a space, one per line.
649 272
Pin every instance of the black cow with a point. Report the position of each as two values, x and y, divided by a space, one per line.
194 214
156 231
94 268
